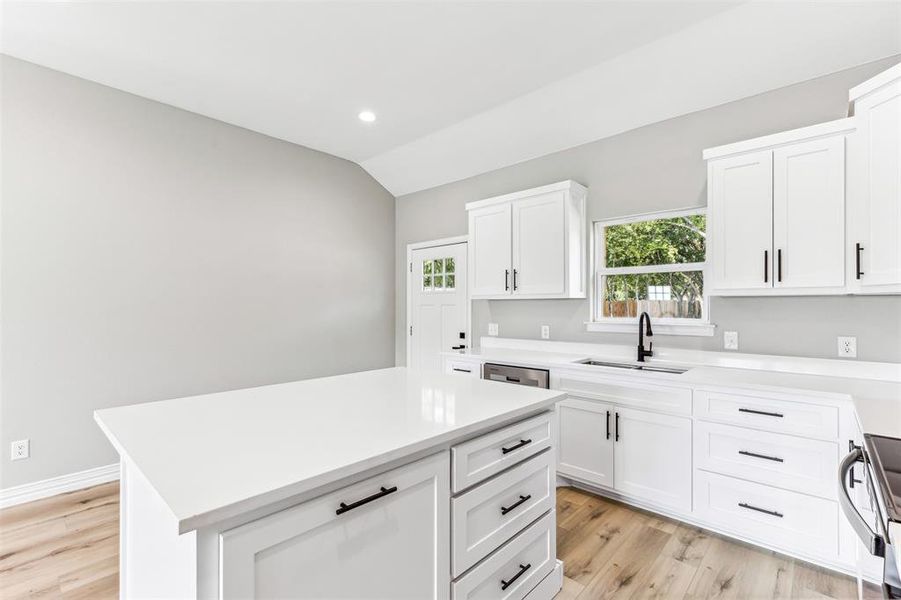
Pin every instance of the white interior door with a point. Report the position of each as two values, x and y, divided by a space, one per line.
539 251
439 310
741 221
809 214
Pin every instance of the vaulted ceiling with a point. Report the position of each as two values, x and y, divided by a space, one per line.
458 88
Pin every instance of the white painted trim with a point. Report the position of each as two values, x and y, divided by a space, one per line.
551 187
672 268
874 83
653 216
448 241
830 367
58 485
683 327
839 126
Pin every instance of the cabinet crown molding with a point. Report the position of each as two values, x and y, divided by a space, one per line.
569 185
837 127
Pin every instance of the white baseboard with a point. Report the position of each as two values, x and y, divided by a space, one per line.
58 485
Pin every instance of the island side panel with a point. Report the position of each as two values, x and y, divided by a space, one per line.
155 561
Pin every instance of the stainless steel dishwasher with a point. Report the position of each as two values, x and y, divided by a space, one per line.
517 375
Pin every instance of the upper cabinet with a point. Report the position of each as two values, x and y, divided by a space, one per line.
776 207
779 206
874 185
529 244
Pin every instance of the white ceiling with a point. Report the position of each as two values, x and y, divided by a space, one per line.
459 87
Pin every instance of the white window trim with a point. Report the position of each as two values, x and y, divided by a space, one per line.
662 326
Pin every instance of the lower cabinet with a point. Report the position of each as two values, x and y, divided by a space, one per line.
638 453
363 541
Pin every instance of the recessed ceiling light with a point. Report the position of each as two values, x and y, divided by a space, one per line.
367 116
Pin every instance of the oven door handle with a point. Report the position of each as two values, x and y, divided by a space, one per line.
873 541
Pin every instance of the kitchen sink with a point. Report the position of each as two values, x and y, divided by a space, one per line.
633 366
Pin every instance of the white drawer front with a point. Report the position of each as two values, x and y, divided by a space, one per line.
785 461
490 514
531 553
463 367
784 519
632 393
771 414
493 452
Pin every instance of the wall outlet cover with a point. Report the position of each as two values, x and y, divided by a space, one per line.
545 332
492 328
730 340
20 449
847 347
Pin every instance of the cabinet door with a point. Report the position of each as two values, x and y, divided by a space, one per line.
394 546
653 457
809 214
876 187
539 245
489 251
740 198
585 444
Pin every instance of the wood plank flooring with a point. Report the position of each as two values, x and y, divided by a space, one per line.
67 547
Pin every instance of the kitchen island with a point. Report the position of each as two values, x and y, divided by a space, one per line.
340 487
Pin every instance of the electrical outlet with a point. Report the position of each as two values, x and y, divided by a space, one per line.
492 328
545 332
20 449
847 347
730 340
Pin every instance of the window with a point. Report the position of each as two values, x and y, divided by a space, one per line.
653 264
439 274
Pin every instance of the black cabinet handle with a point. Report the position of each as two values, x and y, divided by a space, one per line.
761 510
766 266
506 280
506 509
779 265
343 508
761 412
516 446
857 249
608 424
462 370
763 456
515 285
616 437
522 569
851 479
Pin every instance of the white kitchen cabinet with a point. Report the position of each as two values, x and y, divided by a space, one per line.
809 214
585 444
393 546
874 185
776 210
529 244
740 206
489 250
653 457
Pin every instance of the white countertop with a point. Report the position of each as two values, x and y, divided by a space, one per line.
877 403
217 456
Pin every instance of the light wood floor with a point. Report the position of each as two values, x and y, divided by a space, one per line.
67 547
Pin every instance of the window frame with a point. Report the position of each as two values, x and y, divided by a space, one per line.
662 325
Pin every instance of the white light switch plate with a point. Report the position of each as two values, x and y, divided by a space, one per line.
545 332
19 449
492 328
730 340
847 347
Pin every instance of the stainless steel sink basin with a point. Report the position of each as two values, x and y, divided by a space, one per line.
633 366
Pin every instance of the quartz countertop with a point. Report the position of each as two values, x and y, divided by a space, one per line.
217 456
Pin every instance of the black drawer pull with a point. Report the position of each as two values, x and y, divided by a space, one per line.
766 266
506 509
761 510
857 249
761 412
608 424
519 445
343 508
763 456
522 569
462 370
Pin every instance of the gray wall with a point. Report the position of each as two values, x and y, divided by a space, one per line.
654 168
151 253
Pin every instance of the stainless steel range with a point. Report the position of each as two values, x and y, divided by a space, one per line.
881 457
